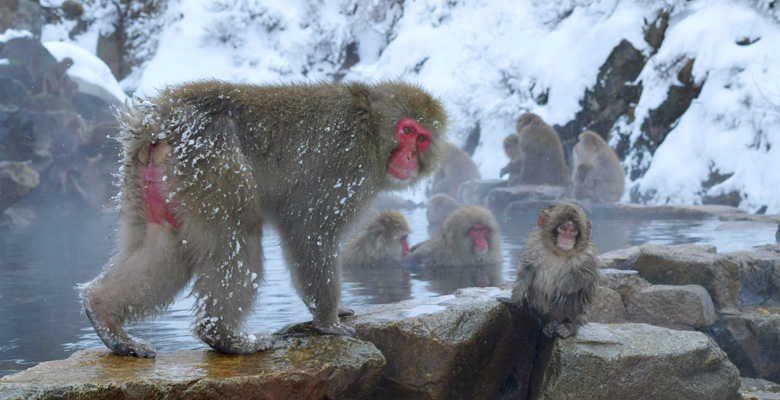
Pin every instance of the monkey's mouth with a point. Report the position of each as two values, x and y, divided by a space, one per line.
565 244
400 174
480 250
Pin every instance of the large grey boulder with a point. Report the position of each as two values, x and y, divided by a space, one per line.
684 265
624 282
759 270
606 307
752 341
460 346
686 307
638 361
322 367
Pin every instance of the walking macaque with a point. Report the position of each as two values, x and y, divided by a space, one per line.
557 274
457 167
206 163
598 175
440 206
536 154
469 236
382 242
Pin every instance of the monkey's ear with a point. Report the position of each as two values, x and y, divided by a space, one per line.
590 227
542 217
378 94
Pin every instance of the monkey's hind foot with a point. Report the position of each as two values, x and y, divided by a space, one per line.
231 343
120 342
336 329
131 346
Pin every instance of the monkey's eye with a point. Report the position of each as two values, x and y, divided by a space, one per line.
421 138
568 226
407 131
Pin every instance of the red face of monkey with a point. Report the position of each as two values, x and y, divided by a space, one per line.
405 246
413 140
479 235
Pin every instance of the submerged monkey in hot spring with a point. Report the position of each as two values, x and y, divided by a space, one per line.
207 163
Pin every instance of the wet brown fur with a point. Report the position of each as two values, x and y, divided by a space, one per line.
306 158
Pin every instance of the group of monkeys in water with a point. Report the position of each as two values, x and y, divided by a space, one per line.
206 164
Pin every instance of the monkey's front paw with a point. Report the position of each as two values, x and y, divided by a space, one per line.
336 329
130 346
550 328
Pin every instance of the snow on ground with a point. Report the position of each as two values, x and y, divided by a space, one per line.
489 59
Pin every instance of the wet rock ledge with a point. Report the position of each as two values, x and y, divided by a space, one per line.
460 346
311 368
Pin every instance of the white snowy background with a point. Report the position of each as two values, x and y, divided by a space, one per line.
488 60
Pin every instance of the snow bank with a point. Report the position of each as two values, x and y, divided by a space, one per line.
489 60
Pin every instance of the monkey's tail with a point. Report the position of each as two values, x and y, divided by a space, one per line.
135 119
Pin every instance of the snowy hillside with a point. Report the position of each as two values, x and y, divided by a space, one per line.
492 60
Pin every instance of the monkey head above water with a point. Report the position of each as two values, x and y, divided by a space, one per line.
438 208
467 237
206 164
383 242
558 271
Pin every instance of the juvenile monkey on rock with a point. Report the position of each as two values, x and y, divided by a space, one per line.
557 274
207 163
